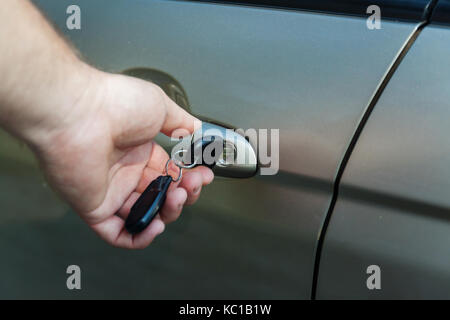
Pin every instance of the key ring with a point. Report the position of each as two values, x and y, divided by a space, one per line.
180 174
180 164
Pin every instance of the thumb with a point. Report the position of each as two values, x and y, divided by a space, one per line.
178 122
139 110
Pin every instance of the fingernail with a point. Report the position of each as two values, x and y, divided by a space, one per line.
210 177
161 229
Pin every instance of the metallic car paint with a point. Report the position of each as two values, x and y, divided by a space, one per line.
394 205
310 75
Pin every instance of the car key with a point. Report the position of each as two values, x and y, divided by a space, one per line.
152 199
149 203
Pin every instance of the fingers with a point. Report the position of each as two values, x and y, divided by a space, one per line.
177 118
207 175
138 110
173 205
125 209
193 180
113 231
186 192
171 210
191 184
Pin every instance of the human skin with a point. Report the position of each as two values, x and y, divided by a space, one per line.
91 131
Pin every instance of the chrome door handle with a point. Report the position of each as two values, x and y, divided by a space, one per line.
232 155
237 158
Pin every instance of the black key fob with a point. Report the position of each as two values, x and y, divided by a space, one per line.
148 205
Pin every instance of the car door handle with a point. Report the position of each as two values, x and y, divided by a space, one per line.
235 159
234 156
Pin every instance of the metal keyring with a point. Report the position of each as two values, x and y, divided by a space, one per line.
181 164
167 170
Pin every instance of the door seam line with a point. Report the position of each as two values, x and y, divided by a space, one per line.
361 124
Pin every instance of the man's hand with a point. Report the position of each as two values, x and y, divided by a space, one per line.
92 131
104 159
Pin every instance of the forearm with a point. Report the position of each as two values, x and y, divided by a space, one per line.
41 76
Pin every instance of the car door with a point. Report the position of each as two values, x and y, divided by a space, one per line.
393 208
309 69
